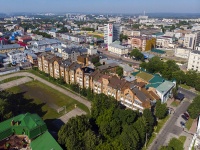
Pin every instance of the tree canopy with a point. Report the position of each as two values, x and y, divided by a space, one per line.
161 110
119 71
137 54
194 109
110 126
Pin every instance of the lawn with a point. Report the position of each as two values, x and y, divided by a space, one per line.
182 139
189 123
145 76
11 79
175 103
42 94
185 86
161 123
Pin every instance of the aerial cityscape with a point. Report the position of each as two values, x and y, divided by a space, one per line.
100 75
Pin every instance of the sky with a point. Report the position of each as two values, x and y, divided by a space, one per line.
101 6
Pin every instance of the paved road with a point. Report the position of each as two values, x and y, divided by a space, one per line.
16 82
188 94
64 119
169 127
66 92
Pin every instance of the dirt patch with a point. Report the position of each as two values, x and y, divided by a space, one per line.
38 93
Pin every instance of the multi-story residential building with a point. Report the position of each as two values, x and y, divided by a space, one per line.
194 60
43 62
111 33
143 43
104 80
189 40
118 49
182 52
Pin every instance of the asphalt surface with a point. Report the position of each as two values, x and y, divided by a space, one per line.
188 94
170 127
66 92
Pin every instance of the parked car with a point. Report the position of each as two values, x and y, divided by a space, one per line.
184 117
182 124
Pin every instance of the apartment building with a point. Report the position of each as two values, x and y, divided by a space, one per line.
143 43
73 53
10 47
194 60
163 42
102 80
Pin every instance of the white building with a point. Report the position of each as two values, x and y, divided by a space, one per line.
111 33
118 49
182 52
189 40
194 61
92 50
164 42
15 57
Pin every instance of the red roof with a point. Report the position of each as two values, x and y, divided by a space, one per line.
21 43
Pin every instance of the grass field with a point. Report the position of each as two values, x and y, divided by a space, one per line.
145 76
175 103
189 123
11 79
182 139
185 86
47 97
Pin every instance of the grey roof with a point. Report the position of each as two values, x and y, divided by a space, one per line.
126 68
103 67
141 96
117 45
196 52
10 46
65 63
48 41
165 86
70 50
129 78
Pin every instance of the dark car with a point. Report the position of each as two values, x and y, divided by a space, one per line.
182 123
184 117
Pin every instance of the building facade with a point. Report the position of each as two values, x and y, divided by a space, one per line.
194 61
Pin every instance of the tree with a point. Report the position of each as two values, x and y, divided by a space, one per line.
161 110
155 65
123 37
150 120
91 140
119 71
137 54
194 109
191 77
179 75
72 134
175 144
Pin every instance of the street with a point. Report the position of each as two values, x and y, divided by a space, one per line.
188 94
169 127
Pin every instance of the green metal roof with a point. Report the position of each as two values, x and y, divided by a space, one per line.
30 124
165 86
45 142
135 73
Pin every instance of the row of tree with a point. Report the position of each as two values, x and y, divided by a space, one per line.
170 70
137 54
44 34
194 108
88 29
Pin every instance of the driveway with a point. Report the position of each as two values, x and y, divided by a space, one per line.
171 127
66 92
188 94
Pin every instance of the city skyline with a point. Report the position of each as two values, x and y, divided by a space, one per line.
103 6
